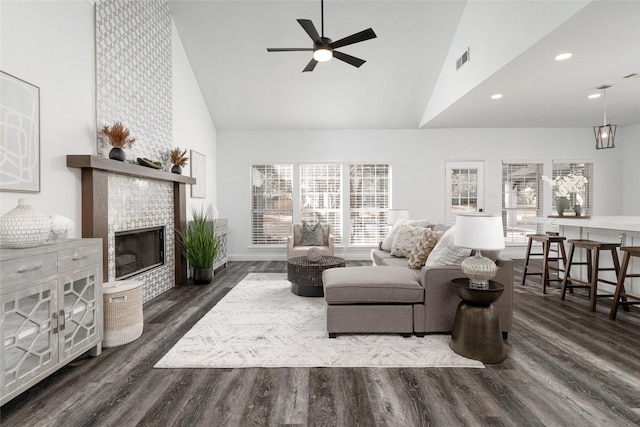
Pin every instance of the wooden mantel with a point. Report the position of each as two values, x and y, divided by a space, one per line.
95 199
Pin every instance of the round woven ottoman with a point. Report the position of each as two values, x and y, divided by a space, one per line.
123 321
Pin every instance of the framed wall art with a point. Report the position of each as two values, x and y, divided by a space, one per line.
198 171
20 135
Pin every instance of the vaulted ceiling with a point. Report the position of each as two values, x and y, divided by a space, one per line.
410 79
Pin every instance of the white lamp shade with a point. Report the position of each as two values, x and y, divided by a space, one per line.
397 215
479 231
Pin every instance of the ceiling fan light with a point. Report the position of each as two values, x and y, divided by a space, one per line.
322 54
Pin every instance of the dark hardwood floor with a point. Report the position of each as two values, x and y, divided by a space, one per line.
566 366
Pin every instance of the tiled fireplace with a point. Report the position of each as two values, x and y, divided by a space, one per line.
121 197
136 203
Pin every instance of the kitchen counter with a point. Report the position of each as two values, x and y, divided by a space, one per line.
618 223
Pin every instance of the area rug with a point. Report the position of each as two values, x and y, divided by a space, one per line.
260 323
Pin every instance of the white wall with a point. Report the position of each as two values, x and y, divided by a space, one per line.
417 158
193 127
630 144
51 45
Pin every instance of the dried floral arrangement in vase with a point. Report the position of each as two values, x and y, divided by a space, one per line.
119 138
179 159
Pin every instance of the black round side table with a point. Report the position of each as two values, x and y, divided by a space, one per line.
306 276
476 330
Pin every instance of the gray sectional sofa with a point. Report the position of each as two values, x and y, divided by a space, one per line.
390 297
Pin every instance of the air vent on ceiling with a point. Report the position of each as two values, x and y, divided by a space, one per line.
632 76
464 58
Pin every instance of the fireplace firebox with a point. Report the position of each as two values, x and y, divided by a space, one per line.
138 250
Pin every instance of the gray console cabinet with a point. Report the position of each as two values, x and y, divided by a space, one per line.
50 310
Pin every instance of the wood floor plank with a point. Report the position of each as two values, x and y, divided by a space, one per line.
565 366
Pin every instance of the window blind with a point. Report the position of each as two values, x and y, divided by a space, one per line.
522 196
321 195
580 169
369 202
271 203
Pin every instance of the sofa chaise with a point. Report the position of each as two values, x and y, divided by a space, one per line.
391 297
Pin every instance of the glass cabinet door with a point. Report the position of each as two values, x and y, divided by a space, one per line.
28 333
79 324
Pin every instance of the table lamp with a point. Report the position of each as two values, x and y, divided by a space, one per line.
479 231
397 215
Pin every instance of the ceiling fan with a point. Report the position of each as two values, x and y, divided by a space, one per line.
324 48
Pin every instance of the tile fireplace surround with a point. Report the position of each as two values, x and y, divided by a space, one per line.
118 196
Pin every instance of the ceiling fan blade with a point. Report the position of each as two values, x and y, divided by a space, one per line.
356 62
289 49
310 66
308 26
354 38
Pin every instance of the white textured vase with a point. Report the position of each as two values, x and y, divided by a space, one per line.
23 227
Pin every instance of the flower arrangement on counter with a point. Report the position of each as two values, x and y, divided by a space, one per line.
565 185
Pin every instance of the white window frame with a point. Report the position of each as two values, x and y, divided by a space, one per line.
320 197
369 203
466 190
576 167
275 201
523 195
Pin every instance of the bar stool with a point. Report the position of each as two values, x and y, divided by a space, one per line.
546 240
593 249
620 296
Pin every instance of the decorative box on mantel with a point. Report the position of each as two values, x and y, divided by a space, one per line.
95 202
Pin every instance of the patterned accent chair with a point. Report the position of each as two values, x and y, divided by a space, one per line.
295 246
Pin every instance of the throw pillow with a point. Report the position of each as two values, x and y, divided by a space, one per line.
445 253
406 240
423 248
387 243
311 234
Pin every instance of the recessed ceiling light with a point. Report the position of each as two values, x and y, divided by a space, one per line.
563 56
496 96
594 96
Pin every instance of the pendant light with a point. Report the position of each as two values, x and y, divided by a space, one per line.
605 134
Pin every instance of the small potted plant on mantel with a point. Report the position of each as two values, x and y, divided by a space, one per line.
179 160
200 245
119 139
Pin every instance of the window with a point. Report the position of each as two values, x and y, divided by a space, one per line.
583 169
271 204
464 188
369 202
522 196
321 195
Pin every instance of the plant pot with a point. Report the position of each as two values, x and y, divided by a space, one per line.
202 276
177 169
562 203
117 153
578 210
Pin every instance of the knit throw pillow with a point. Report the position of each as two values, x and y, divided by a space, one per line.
406 240
311 234
445 253
423 248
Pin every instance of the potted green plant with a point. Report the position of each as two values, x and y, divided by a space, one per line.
200 244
